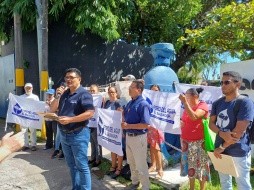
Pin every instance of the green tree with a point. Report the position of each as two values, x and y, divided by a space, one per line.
184 23
230 28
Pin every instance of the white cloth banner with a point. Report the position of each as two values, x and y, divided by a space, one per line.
97 102
23 111
109 131
123 91
209 94
165 113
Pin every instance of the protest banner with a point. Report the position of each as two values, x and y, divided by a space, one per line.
165 110
97 102
123 91
109 131
209 95
23 111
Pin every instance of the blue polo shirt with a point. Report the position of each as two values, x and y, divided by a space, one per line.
75 104
137 111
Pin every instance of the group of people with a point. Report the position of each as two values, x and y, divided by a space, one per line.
74 106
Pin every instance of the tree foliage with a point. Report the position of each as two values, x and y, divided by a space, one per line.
199 29
230 28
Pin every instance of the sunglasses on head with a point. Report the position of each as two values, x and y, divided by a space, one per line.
226 82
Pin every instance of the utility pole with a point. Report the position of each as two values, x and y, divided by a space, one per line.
42 40
18 57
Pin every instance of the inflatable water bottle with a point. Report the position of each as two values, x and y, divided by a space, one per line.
161 74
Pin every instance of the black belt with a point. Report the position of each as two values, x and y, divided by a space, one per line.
134 134
73 130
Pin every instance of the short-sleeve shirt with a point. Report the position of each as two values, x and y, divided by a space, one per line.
75 104
112 105
193 130
226 121
137 111
30 96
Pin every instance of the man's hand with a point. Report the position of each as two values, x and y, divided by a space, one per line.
124 125
228 137
217 152
64 120
13 143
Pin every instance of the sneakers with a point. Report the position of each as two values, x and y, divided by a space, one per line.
55 153
24 148
33 148
132 187
60 155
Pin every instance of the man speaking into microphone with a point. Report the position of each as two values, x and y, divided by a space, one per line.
75 108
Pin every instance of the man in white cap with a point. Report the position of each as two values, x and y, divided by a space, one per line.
29 94
129 78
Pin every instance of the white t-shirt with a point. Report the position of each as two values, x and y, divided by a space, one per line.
31 96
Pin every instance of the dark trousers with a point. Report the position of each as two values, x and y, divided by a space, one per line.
51 129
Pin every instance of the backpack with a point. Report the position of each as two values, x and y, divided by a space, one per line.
126 172
236 108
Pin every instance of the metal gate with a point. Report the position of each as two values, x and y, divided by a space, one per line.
7 82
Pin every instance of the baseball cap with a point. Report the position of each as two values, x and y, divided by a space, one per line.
28 85
50 91
129 77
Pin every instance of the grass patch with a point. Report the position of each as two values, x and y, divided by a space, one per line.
105 166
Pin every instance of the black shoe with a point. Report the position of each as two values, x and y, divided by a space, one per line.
55 153
91 161
24 148
111 171
33 148
61 155
116 174
96 164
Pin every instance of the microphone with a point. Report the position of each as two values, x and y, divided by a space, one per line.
58 95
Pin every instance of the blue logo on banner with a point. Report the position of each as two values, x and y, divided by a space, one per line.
17 109
101 127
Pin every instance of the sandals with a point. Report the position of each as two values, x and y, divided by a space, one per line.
159 175
152 169
116 174
111 171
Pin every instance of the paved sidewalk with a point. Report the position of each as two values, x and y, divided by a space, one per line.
37 171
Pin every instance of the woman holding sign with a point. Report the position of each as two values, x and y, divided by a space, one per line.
154 138
117 161
194 161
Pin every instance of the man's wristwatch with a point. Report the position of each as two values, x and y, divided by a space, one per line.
221 147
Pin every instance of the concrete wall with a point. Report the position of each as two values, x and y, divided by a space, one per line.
100 62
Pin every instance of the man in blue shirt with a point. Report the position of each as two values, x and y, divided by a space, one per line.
75 108
136 121
230 127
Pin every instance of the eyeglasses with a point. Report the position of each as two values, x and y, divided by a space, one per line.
69 78
227 82
110 92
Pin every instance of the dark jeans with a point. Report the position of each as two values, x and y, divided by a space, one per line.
96 149
75 146
51 130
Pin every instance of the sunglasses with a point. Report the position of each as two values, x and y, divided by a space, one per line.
227 82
